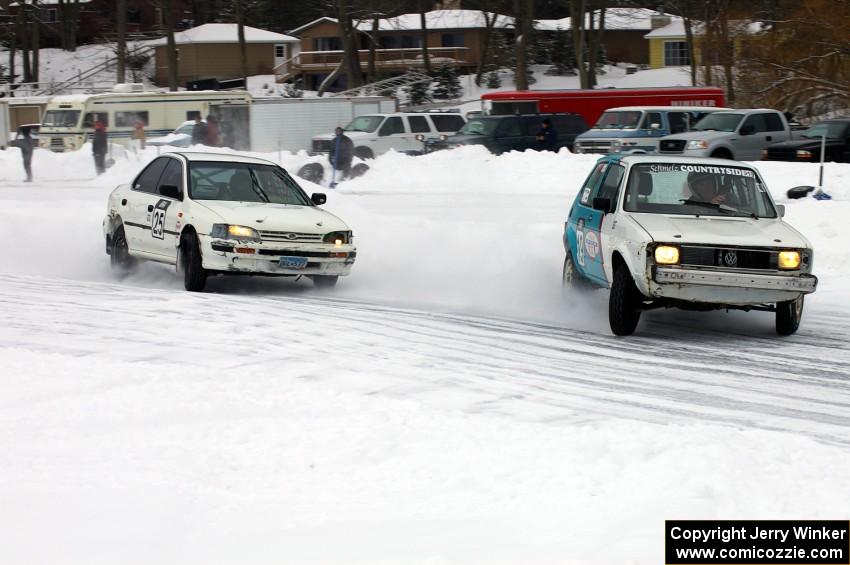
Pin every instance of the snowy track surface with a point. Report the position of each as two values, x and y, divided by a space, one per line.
444 404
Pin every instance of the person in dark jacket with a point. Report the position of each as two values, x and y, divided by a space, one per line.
199 131
342 151
547 137
99 147
27 144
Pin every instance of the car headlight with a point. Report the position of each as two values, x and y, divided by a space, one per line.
338 238
789 260
615 145
697 144
667 255
420 137
241 233
803 154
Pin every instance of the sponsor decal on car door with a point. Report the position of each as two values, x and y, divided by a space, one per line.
583 229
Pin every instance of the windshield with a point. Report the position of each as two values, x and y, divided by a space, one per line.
699 190
478 126
618 120
828 129
365 123
185 129
244 182
719 122
61 118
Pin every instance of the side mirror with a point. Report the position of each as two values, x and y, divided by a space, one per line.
318 198
780 208
747 129
799 191
602 204
170 191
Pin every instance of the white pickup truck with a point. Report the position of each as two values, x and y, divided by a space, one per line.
731 134
697 234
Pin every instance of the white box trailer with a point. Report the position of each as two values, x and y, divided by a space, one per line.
289 124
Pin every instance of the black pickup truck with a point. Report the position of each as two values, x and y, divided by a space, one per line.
806 145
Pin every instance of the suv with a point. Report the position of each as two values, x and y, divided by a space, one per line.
696 234
516 133
374 134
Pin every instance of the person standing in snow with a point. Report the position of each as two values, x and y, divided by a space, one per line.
199 131
547 137
138 138
99 147
26 143
342 151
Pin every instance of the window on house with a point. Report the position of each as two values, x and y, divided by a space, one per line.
389 42
134 15
328 44
676 54
280 51
410 41
452 40
50 16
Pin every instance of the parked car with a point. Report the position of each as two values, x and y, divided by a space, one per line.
516 133
181 137
807 146
374 134
210 214
732 134
638 128
697 234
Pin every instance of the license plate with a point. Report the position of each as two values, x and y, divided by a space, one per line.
292 262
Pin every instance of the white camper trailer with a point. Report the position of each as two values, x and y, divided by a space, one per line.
69 120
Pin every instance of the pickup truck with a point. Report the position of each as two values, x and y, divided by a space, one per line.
807 147
733 134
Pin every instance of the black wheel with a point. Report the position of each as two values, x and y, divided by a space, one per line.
788 316
623 311
722 154
325 281
189 259
313 172
120 258
358 170
363 153
571 280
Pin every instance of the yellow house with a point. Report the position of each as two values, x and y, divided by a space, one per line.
668 46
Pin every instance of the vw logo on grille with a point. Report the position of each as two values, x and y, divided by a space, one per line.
730 259
290 236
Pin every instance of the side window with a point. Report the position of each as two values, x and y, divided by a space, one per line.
773 122
576 124
678 122
448 123
91 117
756 121
192 114
418 124
510 128
533 125
173 175
651 118
592 183
129 119
148 180
610 187
391 126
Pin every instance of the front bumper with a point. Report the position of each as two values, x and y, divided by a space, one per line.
724 287
264 258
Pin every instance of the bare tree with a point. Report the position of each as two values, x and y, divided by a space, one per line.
577 25
171 45
490 19
594 43
21 25
426 58
351 57
36 40
121 44
243 50
523 17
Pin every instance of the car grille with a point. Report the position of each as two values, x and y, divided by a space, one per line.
594 146
782 154
291 237
321 145
57 144
672 145
728 257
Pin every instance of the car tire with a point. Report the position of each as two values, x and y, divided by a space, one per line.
571 280
120 258
313 172
363 153
358 170
722 154
623 303
788 315
189 261
325 281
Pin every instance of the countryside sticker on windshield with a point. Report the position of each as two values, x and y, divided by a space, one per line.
710 169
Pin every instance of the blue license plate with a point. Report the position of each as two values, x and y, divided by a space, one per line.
292 262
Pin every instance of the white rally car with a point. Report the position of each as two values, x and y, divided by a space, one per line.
225 214
685 232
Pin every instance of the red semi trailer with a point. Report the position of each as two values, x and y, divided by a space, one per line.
591 103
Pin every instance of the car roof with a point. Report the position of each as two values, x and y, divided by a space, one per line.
191 156
662 159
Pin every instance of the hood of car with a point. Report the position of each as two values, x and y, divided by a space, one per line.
720 231
805 143
707 135
466 139
275 217
607 134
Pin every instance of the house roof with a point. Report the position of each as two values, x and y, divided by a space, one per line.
225 33
674 29
434 20
618 19
308 25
